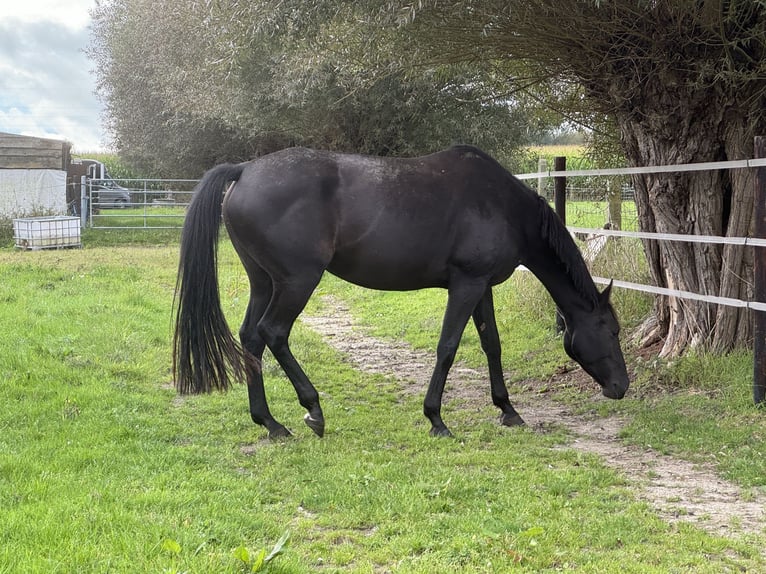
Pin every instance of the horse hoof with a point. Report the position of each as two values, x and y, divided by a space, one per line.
317 425
512 421
279 432
443 432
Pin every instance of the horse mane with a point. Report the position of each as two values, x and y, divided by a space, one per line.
563 246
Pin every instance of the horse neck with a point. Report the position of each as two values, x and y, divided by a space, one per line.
553 274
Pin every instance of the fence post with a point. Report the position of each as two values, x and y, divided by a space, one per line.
759 276
542 167
560 188
83 204
614 203
560 204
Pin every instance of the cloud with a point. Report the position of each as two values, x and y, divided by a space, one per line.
46 85
71 13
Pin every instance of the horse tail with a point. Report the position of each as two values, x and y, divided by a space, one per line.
203 345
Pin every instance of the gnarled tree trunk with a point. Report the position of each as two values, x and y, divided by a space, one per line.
715 202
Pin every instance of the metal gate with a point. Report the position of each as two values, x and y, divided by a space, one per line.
134 203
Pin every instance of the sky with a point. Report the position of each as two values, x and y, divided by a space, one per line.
47 88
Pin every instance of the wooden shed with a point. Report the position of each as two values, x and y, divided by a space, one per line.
25 152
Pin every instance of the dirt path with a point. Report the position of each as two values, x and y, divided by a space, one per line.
678 490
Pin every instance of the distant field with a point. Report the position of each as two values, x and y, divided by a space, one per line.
574 154
551 151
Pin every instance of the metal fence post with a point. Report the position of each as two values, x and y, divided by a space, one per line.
83 204
759 276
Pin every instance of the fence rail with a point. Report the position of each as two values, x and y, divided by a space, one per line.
701 166
713 239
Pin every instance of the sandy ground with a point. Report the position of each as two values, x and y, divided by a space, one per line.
678 490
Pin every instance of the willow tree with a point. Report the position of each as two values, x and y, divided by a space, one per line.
190 83
684 81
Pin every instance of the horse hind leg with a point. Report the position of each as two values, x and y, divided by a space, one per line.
484 319
287 302
260 295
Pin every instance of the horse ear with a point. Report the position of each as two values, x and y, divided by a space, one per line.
604 296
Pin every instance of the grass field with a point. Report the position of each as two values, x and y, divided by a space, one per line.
103 468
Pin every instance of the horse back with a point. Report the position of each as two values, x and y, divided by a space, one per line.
386 223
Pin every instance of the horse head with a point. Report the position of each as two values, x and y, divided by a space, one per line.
592 339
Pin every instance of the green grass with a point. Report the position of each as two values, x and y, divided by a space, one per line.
697 407
145 216
130 237
700 408
103 468
593 214
529 339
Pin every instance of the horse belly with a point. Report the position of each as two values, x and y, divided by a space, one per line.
390 268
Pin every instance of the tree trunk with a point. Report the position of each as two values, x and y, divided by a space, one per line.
712 202
734 326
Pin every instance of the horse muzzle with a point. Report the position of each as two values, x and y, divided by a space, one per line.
615 390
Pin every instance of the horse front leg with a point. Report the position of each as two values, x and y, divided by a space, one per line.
484 319
462 299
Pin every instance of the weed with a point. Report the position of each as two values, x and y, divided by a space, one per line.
259 560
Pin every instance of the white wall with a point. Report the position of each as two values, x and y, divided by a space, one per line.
29 192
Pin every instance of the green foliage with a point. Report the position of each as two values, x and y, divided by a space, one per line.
6 232
230 81
171 547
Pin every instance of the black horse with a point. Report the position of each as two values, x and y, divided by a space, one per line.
455 219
